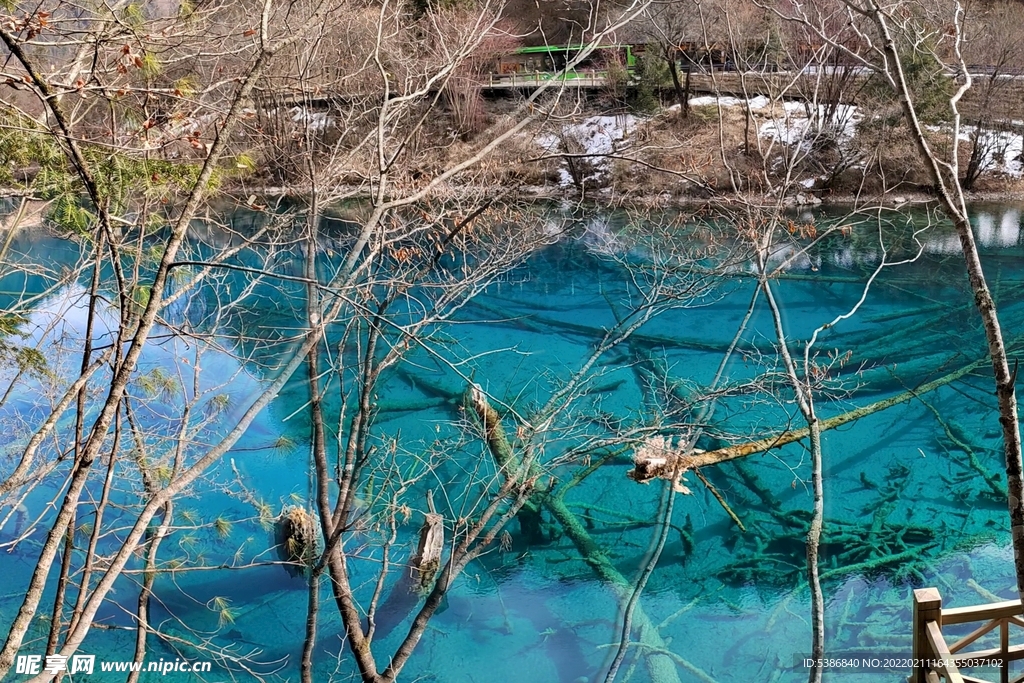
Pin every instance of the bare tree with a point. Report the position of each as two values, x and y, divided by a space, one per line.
893 39
394 285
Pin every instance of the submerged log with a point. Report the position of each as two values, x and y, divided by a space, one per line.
959 437
535 322
494 433
427 559
793 435
509 464
660 667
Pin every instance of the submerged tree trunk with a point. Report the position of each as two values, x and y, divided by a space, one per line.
742 450
660 661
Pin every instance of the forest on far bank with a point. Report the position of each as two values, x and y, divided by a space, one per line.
807 106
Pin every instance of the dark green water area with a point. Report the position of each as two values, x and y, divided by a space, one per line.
913 494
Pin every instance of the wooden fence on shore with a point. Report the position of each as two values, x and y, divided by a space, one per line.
936 659
1008 106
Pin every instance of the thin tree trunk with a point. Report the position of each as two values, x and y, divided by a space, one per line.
813 542
57 615
149 576
318 440
954 203
805 402
682 97
337 565
687 88
97 525
312 611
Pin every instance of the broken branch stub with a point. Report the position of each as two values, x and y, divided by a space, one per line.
658 458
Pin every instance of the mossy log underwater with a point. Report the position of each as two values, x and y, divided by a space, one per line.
742 450
661 664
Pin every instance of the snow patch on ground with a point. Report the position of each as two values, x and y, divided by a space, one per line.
792 122
316 121
1003 150
596 135
802 125
756 104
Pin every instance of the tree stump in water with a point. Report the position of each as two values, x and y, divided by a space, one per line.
296 536
427 559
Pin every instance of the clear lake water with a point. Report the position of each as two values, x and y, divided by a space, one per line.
906 504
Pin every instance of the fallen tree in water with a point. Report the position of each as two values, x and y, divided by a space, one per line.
660 666
694 459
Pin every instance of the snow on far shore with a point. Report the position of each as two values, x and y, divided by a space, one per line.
1003 151
595 135
787 122
1003 155
792 122
757 103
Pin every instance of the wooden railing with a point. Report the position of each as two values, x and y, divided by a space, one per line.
942 660
532 79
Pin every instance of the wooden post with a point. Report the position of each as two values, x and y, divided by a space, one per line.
1004 650
927 607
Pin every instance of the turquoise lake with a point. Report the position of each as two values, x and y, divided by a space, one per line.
912 493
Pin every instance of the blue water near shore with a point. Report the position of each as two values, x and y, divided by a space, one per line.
905 505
